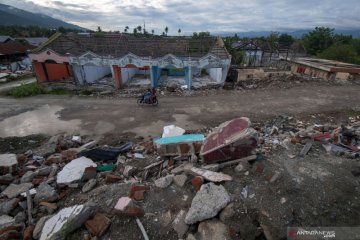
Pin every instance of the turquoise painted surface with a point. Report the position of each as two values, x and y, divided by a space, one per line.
182 138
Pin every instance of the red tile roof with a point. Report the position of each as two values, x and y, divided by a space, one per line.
14 48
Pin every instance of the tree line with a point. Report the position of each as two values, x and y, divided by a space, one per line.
321 42
32 31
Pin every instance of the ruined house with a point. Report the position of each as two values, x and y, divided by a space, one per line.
15 55
324 69
86 59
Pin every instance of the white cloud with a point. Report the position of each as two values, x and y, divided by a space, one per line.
200 15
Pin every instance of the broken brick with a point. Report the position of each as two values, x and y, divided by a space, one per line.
49 205
21 158
38 180
69 154
259 167
321 137
8 163
28 232
197 182
126 205
111 178
55 158
98 225
89 173
137 192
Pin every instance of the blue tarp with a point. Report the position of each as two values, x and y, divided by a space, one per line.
182 138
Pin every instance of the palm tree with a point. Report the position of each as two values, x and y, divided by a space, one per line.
135 31
139 28
99 29
166 30
152 31
179 31
126 29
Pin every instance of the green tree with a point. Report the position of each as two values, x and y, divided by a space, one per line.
126 29
286 39
135 31
139 28
201 34
62 29
179 31
342 39
318 40
166 30
152 31
99 29
341 52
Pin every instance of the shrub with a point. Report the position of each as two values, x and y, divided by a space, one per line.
26 90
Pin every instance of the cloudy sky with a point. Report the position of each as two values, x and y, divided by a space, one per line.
200 15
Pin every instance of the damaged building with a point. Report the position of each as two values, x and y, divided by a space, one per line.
324 69
123 58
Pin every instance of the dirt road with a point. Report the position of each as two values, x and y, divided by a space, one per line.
85 115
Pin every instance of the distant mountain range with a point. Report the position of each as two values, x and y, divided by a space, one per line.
297 33
13 16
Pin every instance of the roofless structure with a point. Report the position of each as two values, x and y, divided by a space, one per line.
88 58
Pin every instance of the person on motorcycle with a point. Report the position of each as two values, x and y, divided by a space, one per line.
147 96
153 94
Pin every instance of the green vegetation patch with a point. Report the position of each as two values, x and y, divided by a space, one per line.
32 89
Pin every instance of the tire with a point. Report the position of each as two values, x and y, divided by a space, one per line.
139 102
155 103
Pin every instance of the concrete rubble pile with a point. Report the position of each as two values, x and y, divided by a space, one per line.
36 185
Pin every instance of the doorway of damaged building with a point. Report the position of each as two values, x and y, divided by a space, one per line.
52 71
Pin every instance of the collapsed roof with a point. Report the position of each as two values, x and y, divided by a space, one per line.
118 45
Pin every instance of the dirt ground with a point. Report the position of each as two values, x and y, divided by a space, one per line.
316 190
98 116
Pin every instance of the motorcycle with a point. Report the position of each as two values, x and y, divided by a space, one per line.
150 100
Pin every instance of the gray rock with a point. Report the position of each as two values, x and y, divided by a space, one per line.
6 221
13 190
39 226
46 193
48 148
54 170
66 221
180 180
212 230
7 206
227 212
20 217
208 201
6 179
45 171
28 176
164 181
190 237
89 185
179 224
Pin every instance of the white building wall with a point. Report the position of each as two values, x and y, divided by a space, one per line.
143 72
215 74
78 73
127 74
94 73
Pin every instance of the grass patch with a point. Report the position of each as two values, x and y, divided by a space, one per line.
26 90
32 89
